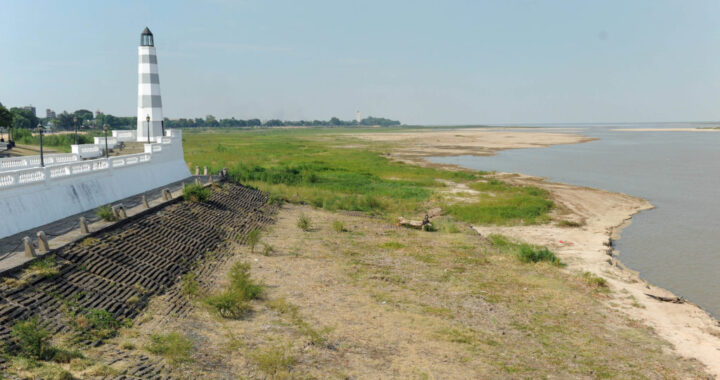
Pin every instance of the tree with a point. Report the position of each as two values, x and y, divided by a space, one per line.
23 118
6 117
335 121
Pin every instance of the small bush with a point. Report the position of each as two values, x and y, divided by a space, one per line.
190 286
172 346
240 281
304 222
228 304
66 356
595 281
530 254
338 226
253 238
32 339
267 249
196 193
233 301
568 223
106 213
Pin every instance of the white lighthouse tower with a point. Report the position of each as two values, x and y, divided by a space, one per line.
149 112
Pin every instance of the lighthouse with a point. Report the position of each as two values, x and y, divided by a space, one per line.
149 111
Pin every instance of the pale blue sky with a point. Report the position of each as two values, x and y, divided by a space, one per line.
439 62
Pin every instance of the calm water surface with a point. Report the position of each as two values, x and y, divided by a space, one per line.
675 246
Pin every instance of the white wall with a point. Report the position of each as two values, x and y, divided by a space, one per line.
48 194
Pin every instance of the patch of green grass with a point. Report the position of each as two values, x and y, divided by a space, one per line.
196 193
392 245
45 267
331 169
524 252
317 337
304 223
94 324
275 361
106 213
338 226
595 281
173 346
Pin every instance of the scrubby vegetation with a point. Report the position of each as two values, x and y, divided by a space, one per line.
304 223
106 213
173 346
525 252
233 302
196 193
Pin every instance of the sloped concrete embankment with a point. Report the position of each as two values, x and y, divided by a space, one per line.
136 259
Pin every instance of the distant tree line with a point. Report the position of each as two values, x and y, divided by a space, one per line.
20 118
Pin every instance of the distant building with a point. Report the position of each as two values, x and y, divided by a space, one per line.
50 114
98 113
31 108
357 116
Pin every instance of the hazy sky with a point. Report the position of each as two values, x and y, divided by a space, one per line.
439 62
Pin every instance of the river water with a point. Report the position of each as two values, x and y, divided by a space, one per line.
676 245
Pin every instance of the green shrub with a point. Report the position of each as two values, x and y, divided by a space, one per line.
106 213
32 339
338 226
568 223
240 281
174 347
228 304
267 249
595 281
190 286
196 193
525 252
233 301
253 238
530 254
304 222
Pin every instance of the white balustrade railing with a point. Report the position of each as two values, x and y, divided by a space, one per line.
112 142
29 176
24 162
20 171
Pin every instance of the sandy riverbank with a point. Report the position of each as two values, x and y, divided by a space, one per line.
691 331
412 146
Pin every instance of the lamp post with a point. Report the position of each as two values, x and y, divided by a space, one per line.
162 125
147 118
105 129
76 129
42 159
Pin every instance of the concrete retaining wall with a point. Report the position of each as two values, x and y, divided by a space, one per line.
33 197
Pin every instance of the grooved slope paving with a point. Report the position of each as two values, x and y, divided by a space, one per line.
134 260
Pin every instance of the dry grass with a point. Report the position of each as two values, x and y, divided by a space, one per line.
425 305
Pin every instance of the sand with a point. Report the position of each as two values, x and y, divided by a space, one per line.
413 145
666 130
692 332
